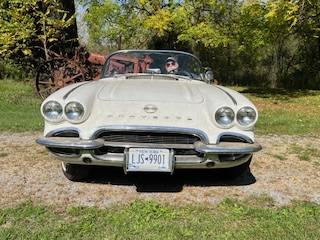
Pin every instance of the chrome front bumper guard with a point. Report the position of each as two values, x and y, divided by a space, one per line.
210 152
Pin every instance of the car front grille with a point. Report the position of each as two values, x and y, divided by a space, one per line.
148 137
117 142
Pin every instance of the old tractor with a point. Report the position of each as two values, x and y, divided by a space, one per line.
60 70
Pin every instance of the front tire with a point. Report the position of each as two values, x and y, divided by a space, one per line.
238 171
75 172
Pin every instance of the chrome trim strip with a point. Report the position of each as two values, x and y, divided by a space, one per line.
164 76
68 142
221 148
154 51
126 160
158 129
148 145
173 160
229 95
186 162
228 148
73 89
217 163
188 159
112 159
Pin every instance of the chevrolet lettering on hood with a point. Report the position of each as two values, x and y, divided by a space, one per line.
151 111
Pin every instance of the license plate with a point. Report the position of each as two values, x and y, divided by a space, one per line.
149 160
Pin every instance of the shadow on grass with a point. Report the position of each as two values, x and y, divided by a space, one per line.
279 93
159 182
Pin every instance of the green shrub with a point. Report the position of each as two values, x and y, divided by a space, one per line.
10 69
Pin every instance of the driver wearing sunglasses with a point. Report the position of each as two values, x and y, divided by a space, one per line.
171 65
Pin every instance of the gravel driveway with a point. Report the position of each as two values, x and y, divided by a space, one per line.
286 169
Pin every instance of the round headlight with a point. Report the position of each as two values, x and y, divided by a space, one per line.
52 110
74 111
246 116
224 116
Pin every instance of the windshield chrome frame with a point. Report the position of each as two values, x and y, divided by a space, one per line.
152 51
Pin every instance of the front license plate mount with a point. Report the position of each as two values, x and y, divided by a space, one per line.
149 160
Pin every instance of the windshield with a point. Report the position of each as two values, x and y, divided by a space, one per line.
153 62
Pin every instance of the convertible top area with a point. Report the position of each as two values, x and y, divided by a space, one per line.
152 61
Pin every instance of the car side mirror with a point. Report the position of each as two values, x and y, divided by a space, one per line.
208 75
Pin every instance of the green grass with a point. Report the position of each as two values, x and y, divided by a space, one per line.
19 107
288 122
151 220
292 112
305 153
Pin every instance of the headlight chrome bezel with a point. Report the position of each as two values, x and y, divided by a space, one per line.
75 105
220 111
60 115
246 109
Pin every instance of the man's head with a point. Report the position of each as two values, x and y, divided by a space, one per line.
171 65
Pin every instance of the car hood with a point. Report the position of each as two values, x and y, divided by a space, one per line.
146 90
149 89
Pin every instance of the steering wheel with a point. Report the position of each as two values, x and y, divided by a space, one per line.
185 73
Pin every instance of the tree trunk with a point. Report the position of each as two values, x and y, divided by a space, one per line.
71 31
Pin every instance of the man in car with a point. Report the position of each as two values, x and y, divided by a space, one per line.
171 65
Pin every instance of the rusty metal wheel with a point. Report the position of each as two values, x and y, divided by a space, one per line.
56 74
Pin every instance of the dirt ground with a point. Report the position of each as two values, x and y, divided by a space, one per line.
286 169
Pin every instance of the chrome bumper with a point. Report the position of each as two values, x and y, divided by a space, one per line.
209 159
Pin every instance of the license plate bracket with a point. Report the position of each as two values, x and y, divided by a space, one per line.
149 160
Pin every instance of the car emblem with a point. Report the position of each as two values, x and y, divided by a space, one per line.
150 108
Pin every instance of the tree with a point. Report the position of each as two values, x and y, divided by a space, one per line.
270 43
129 24
24 23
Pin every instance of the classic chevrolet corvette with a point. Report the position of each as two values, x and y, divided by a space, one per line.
151 111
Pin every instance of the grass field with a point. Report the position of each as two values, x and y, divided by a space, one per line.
281 112
255 219
286 112
19 107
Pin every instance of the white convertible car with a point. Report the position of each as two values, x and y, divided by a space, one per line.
151 111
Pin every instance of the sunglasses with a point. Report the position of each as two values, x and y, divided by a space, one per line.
168 64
